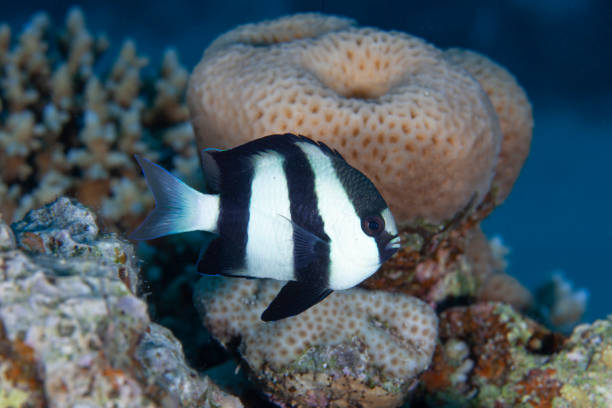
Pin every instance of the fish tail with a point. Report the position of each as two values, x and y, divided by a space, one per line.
178 207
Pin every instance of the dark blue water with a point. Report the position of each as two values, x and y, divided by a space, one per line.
558 216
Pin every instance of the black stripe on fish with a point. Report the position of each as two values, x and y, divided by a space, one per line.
228 251
232 177
305 213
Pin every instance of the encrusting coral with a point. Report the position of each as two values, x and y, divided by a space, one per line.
72 329
66 129
356 348
490 355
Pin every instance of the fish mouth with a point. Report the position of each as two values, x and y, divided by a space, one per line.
393 244
390 248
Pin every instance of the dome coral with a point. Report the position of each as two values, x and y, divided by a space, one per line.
407 114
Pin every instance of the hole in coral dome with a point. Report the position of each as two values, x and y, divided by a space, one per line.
355 69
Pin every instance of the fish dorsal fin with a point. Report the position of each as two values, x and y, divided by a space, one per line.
222 166
307 246
212 173
293 299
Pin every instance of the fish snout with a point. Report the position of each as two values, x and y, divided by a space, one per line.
392 246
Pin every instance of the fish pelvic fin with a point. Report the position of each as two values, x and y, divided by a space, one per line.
293 299
178 207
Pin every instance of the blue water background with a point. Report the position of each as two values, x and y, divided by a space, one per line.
558 216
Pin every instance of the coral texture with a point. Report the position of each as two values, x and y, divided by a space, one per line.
420 126
492 356
72 330
513 110
65 129
356 347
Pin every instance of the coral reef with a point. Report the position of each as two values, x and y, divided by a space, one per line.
377 98
66 129
356 348
492 356
405 113
464 265
74 328
443 134
73 331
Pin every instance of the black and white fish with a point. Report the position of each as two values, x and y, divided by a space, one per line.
283 207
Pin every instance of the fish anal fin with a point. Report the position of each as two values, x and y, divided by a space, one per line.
293 299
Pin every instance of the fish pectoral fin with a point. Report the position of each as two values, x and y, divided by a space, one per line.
307 246
293 299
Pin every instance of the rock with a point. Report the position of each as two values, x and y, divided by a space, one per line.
73 330
7 238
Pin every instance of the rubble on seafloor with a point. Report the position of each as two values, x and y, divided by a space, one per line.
73 332
66 128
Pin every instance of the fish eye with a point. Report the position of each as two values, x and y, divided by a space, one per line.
372 225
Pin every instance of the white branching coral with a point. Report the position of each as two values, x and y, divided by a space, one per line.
66 129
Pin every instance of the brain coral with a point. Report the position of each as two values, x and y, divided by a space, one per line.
414 121
377 339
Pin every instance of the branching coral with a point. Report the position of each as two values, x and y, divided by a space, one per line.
67 129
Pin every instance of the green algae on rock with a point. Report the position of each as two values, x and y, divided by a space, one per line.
73 331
